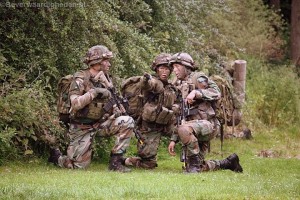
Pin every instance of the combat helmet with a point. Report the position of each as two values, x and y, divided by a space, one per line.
161 59
184 59
96 54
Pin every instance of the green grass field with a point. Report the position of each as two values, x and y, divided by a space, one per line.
263 178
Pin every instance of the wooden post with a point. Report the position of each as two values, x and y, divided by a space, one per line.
239 80
239 85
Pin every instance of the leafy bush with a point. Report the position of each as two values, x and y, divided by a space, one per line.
272 95
27 123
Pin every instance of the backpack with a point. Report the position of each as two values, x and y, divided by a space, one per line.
225 108
63 100
131 90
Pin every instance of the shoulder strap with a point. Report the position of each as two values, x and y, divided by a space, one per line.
87 76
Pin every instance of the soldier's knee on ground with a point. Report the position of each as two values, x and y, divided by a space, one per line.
133 161
141 163
68 163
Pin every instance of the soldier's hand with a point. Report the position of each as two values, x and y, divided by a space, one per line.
116 111
171 148
147 76
175 108
190 97
102 92
194 94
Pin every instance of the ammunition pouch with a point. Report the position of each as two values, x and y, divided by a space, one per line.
151 114
165 116
93 110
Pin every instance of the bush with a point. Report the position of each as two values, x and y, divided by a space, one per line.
272 95
27 123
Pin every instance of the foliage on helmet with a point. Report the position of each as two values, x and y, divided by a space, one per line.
184 59
96 54
161 59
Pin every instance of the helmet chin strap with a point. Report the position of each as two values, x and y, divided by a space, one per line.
187 71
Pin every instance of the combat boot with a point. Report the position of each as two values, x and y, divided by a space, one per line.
247 134
232 162
54 155
193 164
117 163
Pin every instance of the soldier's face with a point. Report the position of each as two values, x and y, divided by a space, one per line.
180 71
163 72
105 66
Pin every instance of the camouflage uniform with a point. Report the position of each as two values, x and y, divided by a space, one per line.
89 96
157 117
200 124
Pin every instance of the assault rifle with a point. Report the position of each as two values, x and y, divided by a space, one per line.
120 102
184 112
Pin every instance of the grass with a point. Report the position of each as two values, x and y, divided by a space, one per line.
263 178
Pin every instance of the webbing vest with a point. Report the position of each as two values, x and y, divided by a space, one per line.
93 111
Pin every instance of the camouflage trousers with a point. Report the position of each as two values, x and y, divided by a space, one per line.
150 147
195 132
210 165
147 153
79 152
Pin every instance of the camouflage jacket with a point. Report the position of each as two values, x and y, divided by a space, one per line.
159 97
202 108
86 105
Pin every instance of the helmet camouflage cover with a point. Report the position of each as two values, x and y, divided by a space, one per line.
96 54
161 59
184 59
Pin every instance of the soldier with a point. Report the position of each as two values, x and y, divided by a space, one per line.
157 116
198 124
89 94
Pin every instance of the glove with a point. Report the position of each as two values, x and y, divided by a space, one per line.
116 111
176 109
101 93
147 77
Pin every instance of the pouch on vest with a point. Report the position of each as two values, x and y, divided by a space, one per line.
149 112
168 97
165 116
91 111
95 111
